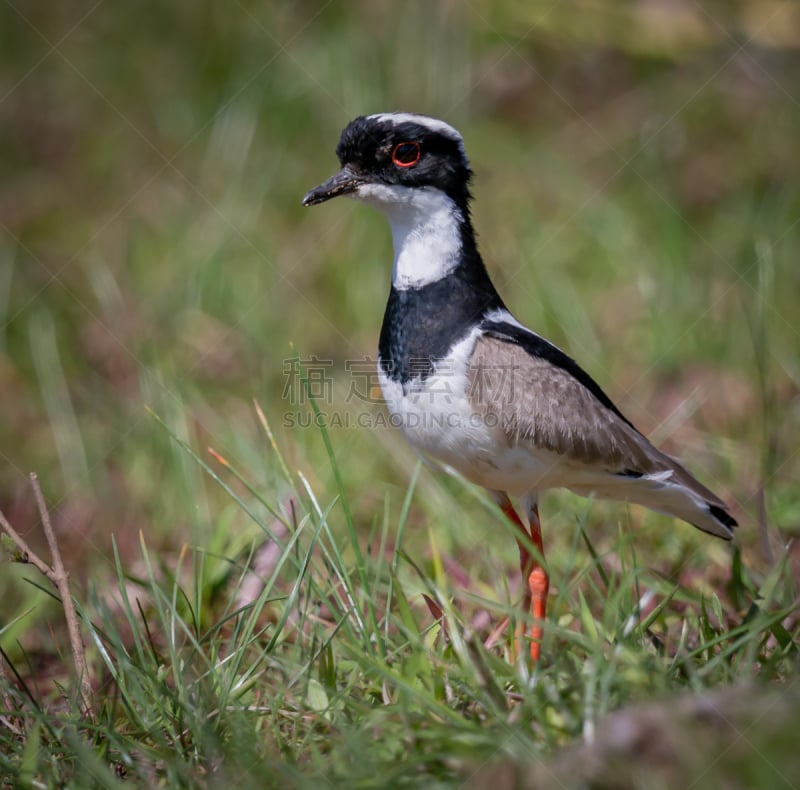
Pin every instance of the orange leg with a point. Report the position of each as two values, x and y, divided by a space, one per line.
538 582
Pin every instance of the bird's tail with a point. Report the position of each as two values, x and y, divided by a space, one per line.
668 488
675 492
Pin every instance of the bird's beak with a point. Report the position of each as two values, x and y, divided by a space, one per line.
343 183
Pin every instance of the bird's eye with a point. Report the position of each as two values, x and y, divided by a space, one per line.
406 154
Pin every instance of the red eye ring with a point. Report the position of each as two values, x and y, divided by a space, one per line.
406 154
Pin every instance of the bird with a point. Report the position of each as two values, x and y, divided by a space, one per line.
472 388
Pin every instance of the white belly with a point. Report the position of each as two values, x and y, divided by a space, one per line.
437 419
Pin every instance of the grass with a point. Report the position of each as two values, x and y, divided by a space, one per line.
328 670
255 613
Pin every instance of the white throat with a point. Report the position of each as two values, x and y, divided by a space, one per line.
426 231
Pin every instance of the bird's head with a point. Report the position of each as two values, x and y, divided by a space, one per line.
392 159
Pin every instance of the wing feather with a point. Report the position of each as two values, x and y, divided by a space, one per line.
535 401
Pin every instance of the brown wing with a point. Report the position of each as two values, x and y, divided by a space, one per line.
534 401
539 397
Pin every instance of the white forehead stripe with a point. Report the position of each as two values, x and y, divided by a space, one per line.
434 124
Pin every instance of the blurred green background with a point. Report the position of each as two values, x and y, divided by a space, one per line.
637 202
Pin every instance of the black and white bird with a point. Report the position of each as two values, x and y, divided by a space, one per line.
474 389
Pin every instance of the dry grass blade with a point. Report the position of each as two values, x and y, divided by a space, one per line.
59 577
